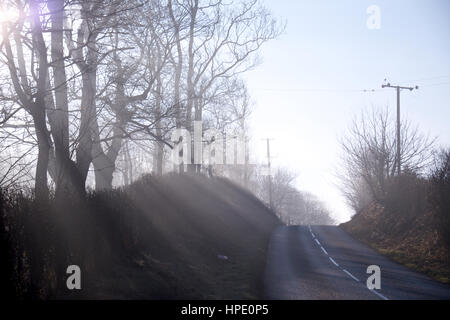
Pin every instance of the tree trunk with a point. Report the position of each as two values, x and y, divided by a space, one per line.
39 118
178 71
38 110
104 171
198 117
159 147
88 116
178 65
105 163
129 166
158 154
191 168
67 178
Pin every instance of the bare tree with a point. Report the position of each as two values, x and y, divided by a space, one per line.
369 156
140 52
228 110
30 94
218 41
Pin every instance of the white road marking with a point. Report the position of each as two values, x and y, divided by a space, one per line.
337 265
333 261
378 294
351 276
323 249
310 230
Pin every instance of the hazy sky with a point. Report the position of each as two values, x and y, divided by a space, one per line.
306 86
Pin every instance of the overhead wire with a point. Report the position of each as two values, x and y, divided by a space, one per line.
361 90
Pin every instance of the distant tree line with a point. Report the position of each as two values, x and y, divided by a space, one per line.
291 205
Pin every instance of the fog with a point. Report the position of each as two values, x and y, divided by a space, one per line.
313 80
208 149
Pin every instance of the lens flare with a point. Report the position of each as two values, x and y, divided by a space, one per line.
8 15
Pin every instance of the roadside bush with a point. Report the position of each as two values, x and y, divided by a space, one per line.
39 240
439 193
6 263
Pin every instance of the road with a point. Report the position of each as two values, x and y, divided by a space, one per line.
324 262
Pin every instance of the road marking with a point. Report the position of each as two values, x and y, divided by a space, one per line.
378 294
333 261
351 276
337 265
323 249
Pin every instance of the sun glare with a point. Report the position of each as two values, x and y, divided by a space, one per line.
8 15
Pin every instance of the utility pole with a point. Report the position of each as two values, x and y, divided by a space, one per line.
270 175
398 88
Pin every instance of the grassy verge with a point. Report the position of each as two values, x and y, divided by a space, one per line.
412 241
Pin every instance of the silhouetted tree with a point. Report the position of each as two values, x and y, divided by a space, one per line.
369 156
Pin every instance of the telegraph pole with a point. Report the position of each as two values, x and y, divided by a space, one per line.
270 175
398 89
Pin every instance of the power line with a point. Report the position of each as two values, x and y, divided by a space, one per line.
357 90
320 90
427 79
435 84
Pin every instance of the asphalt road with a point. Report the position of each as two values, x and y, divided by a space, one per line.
324 262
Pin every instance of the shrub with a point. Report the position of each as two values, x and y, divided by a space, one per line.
439 194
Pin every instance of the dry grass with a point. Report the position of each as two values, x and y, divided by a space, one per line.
413 241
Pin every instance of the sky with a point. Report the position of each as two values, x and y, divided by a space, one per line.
307 88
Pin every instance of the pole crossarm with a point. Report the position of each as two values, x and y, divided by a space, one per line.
399 87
